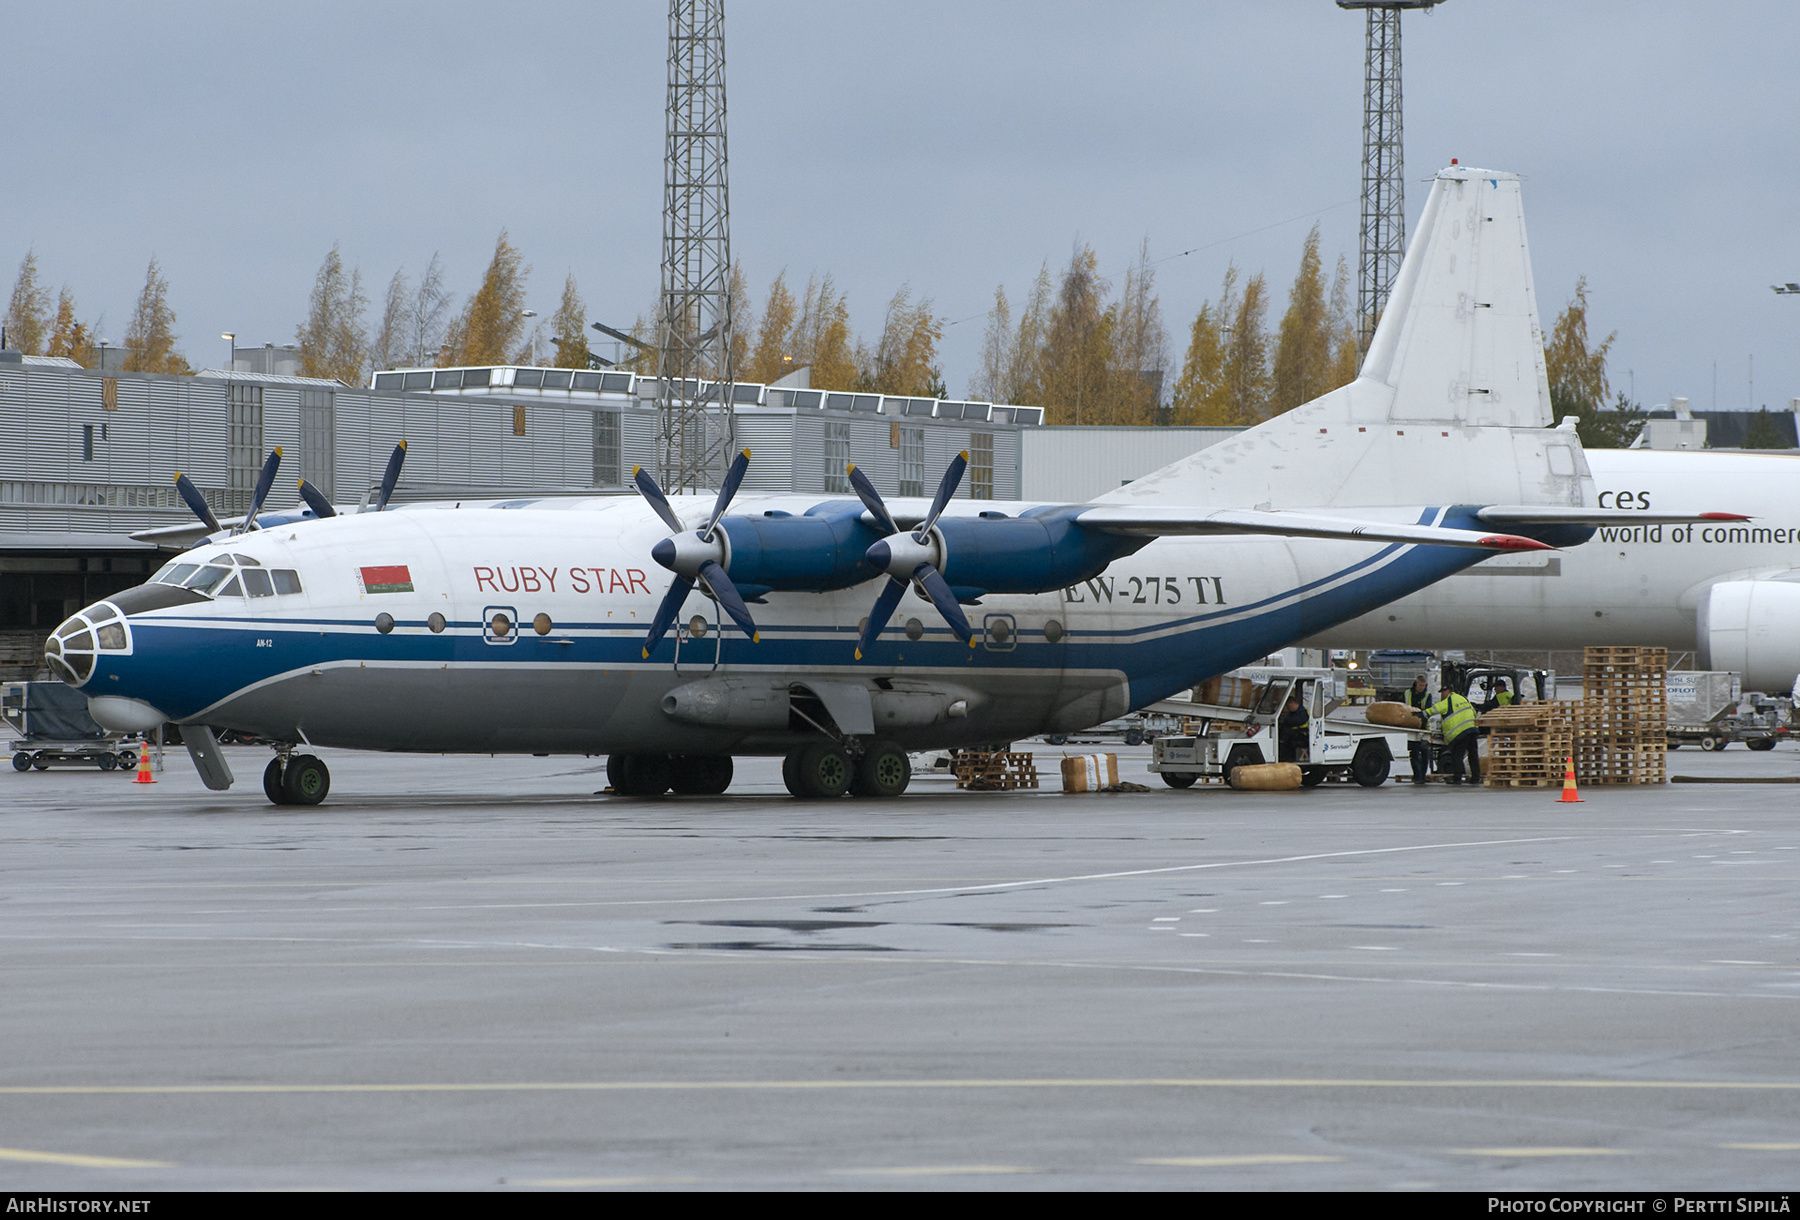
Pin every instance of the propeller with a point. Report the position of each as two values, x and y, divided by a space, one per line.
913 558
264 481
389 477
698 556
315 500
194 500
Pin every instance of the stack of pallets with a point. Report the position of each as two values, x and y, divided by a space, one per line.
1529 744
994 771
1621 730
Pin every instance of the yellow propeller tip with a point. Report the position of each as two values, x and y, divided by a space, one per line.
859 654
278 451
646 654
756 638
635 471
403 444
964 455
746 455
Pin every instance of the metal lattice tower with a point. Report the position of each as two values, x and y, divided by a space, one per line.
1383 163
693 366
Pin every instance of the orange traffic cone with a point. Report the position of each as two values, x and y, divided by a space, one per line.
1569 796
143 775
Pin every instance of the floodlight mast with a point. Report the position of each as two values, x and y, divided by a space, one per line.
693 366
1383 238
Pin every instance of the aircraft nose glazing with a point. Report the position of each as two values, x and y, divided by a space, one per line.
74 647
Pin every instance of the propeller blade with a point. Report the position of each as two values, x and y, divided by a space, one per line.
946 488
938 590
879 614
650 491
665 613
727 489
865 491
197 502
315 500
720 586
264 481
391 476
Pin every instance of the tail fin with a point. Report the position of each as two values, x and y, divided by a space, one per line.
1451 404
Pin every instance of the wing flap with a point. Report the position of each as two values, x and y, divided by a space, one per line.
1173 521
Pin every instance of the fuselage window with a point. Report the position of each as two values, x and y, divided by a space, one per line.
257 582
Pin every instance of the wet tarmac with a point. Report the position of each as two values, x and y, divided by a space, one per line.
474 973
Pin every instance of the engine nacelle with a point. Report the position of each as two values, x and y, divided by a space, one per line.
1752 627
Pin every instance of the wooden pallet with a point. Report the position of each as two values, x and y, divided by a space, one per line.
981 771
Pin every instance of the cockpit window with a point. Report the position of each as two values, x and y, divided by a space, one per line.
244 561
257 583
232 589
175 573
286 580
207 579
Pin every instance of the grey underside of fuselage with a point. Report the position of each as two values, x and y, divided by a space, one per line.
507 710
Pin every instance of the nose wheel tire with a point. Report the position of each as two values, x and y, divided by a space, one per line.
884 770
305 780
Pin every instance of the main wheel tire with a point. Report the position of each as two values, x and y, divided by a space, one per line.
700 774
1761 743
21 761
790 773
1179 779
823 771
647 774
883 771
1369 768
1312 777
306 780
272 787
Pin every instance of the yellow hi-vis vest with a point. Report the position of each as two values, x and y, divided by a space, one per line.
1458 714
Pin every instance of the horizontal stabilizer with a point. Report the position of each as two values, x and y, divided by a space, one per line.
1153 522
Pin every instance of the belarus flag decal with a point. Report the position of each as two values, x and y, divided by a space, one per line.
395 579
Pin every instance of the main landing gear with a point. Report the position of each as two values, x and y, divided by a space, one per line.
296 779
827 769
655 774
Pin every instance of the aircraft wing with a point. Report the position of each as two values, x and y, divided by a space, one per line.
1157 522
1538 514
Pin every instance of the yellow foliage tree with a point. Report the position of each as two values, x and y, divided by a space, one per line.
26 319
332 341
822 337
150 337
772 359
69 337
1077 359
904 362
570 325
1010 359
1577 372
1303 367
1140 349
1199 397
492 323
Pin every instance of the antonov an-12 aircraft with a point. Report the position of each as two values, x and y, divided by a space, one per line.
673 633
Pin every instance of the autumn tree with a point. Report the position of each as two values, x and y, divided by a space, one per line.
1577 374
570 325
430 303
771 359
389 347
1345 359
1140 347
1246 365
492 322
68 337
904 360
822 336
27 312
1076 363
1011 356
1303 349
332 341
150 336
1200 392
743 324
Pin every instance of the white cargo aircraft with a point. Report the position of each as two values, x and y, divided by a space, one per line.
1729 591
598 626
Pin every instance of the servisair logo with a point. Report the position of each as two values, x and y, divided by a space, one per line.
395 578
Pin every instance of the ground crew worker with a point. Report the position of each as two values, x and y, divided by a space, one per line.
1502 696
1459 734
1419 752
1293 729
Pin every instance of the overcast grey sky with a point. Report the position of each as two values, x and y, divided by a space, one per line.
952 146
